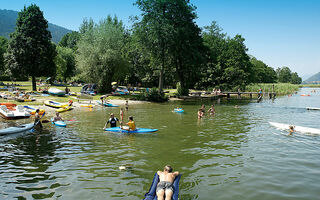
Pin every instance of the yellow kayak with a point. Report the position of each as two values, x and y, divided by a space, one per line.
64 109
55 104
86 105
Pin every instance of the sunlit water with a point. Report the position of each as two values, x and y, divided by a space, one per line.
234 155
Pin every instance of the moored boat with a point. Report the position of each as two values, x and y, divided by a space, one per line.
17 129
55 104
18 113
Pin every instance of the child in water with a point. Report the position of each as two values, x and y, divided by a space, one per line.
131 125
211 110
200 113
291 130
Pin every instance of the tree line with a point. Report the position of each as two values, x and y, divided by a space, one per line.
163 48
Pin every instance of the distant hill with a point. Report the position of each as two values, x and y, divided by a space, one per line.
313 79
8 22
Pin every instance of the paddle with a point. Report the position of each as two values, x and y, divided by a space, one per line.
38 121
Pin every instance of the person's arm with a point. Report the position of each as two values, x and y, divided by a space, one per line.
159 172
176 173
105 126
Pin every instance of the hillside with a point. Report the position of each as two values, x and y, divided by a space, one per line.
313 79
8 23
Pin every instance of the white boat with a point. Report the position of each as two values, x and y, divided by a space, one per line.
300 129
56 91
18 113
312 108
17 129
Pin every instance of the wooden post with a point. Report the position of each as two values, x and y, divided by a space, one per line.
250 95
228 95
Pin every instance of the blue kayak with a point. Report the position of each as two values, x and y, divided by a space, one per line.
17 129
180 110
152 195
138 130
59 123
107 104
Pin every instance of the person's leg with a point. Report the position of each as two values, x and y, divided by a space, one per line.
160 194
169 194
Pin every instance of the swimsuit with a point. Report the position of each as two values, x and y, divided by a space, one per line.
165 185
113 121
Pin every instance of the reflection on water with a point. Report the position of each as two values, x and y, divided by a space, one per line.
233 154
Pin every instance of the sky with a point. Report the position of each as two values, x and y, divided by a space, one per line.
278 32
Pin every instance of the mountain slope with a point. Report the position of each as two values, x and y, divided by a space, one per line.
8 23
314 78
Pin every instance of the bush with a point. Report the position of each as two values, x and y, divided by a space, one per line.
153 95
181 91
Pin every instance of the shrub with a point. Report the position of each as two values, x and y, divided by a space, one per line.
153 95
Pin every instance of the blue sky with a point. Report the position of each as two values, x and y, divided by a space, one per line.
278 32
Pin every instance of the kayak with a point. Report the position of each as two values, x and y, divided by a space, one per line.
138 130
300 129
151 194
32 110
64 109
86 105
107 104
17 129
59 123
56 91
55 104
24 100
178 110
312 108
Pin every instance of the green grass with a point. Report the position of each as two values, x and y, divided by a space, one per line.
279 88
310 85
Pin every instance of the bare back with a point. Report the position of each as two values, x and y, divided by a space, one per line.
166 176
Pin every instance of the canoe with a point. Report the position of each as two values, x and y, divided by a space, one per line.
55 104
300 129
151 194
64 109
59 123
17 129
18 113
312 108
138 130
178 110
32 110
56 91
107 104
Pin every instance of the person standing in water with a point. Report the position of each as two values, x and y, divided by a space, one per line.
112 120
121 116
37 119
165 185
127 105
211 110
200 113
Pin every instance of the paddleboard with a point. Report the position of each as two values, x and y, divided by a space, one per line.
17 129
138 130
151 194
300 129
312 108
59 123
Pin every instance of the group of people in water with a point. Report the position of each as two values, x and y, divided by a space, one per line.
202 111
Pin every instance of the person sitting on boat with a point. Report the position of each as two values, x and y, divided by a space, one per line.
131 125
112 120
211 110
37 119
165 185
291 130
57 117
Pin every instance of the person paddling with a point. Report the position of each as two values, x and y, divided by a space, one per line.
165 186
112 120
57 117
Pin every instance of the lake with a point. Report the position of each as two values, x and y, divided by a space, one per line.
234 154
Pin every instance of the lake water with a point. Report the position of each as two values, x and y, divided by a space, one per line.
234 155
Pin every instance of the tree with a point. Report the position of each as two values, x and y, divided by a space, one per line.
262 73
30 51
295 79
70 40
284 75
65 62
100 55
3 50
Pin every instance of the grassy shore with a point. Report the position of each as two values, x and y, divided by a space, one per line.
279 88
310 85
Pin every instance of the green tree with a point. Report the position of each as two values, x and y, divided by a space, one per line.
100 56
284 75
262 73
70 40
30 51
3 50
295 79
65 62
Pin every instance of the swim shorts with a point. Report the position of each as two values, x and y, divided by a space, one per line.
165 185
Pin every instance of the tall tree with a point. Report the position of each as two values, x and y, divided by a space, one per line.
65 62
262 73
30 51
100 56
284 75
70 40
3 50
295 79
